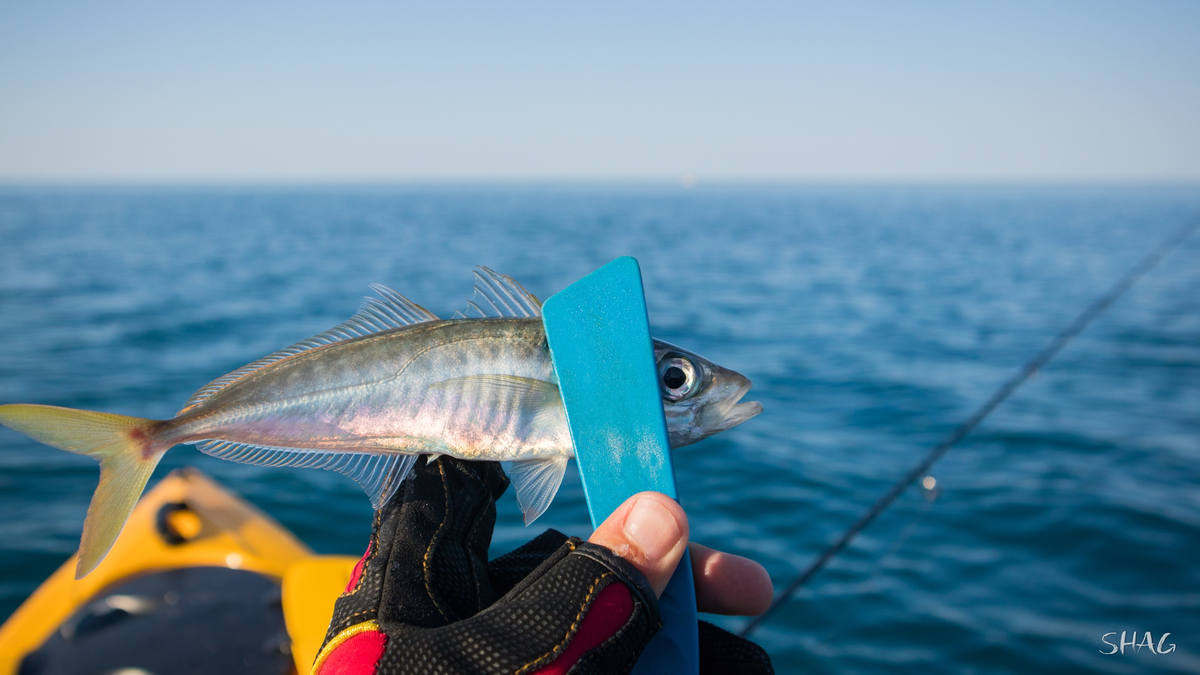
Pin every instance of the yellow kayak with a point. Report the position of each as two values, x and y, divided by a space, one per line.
199 581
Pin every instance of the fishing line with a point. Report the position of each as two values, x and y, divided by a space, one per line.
1147 263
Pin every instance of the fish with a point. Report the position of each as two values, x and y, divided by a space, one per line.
371 395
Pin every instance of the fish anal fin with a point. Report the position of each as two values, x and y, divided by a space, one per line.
536 481
379 474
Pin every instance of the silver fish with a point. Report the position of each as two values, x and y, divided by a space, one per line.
368 397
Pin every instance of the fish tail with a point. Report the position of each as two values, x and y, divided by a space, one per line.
128 452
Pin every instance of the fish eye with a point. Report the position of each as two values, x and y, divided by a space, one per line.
678 377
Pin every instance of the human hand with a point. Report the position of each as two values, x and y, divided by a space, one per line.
425 598
650 530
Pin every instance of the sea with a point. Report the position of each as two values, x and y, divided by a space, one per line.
872 319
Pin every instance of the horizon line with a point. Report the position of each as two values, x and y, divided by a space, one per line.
683 182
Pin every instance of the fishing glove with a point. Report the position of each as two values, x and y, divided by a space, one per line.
425 599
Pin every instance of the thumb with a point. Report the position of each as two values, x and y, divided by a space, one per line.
650 531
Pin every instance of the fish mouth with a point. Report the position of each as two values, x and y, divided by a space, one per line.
735 413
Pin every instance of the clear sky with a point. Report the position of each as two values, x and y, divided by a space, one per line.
290 91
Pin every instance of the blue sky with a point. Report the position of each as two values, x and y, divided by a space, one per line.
354 91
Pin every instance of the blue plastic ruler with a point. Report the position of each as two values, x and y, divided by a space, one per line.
599 339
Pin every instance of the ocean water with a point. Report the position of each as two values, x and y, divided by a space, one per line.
872 320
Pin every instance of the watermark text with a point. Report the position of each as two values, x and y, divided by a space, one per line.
1135 645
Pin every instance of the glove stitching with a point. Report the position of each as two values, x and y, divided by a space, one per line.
627 573
355 615
339 639
587 658
433 542
557 649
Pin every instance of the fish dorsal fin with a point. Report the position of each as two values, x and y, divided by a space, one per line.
499 296
394 309
374 315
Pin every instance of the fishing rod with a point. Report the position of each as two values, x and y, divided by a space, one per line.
1147 263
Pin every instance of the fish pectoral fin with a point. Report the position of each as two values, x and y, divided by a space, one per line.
536 482
529 394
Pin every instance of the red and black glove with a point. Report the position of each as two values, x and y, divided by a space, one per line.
425 599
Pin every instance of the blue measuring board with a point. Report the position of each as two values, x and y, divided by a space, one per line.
600 342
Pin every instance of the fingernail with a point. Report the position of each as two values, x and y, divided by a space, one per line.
652 528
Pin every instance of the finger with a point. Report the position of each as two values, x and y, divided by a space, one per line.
649 531
729 584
